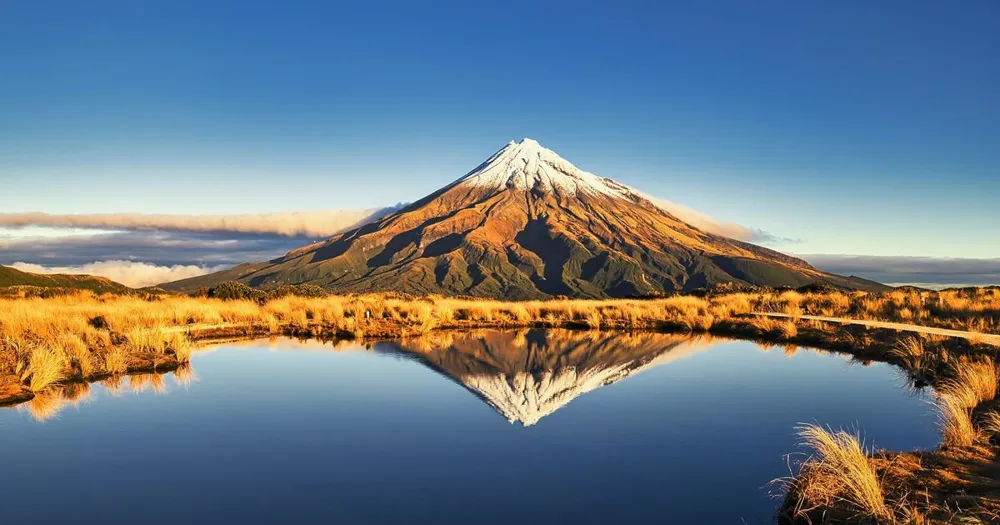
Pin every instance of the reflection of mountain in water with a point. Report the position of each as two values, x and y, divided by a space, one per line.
527 375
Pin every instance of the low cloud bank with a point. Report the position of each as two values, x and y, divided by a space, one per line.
155 247
318 224
289 224
710 224
927 272
129 273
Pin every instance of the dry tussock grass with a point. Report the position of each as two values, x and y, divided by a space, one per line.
971 309
955 421
991 422
910 352
972 382
838 473
45 366
44 341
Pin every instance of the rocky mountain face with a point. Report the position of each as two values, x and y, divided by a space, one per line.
527 224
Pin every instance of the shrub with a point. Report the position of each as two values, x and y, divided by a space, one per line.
297 290
236 291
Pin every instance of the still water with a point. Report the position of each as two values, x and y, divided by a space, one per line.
479 427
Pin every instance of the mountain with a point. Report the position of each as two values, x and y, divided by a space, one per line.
527 224
529 374
9 277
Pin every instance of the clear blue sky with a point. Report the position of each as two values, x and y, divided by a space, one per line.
858 127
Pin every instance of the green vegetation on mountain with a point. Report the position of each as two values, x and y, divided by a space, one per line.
11 278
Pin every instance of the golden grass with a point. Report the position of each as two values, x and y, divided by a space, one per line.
972 383
839 472
45 366
991 422
973 309
45 341
955 421
116 361
911 353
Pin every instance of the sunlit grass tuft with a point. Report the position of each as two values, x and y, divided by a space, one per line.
116 361
972 383
991 422
45 367
839 471
910 352
955 421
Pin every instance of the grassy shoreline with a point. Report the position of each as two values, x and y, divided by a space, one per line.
63 343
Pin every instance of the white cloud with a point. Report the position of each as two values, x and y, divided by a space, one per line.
313 224
129 273
300 223
703 221
706 222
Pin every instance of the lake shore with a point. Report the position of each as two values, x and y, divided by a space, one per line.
64 341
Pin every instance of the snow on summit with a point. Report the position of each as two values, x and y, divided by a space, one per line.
529 397
527 165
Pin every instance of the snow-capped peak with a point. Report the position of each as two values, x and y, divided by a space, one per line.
528 165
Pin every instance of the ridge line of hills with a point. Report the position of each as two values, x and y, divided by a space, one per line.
10 278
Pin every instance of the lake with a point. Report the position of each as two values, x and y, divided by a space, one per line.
480 427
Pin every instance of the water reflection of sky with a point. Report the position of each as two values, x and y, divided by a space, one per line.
267 436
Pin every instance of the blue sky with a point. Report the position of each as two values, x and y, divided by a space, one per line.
854 127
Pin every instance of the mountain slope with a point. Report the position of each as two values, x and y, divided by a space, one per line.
528 224
10 277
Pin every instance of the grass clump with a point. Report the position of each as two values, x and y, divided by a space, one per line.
991 422
116 361
45 367
955 421
910 352
972 383
838 472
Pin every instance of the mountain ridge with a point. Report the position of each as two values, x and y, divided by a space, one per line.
527 224
11 277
